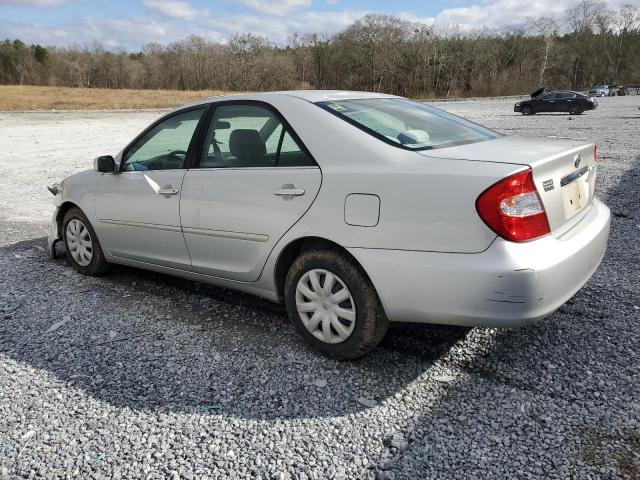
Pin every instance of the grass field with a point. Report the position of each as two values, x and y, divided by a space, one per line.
15 97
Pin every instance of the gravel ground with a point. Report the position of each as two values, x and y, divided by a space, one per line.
140 375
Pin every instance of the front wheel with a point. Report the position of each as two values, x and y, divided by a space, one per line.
527 110
333 305
81 243
575 109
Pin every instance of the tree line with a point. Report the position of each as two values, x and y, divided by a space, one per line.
589 44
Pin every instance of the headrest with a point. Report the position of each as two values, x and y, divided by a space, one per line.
246 144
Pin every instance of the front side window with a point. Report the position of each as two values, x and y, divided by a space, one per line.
408 124
165 146
249 136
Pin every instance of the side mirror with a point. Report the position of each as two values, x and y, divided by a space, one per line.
104 164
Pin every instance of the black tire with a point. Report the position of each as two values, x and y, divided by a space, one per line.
527 110
575 109
98 265
371 323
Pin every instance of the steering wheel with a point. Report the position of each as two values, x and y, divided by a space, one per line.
175 153
179 155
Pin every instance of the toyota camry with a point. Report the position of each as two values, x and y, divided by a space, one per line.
352 209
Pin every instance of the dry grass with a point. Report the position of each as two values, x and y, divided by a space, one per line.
13 97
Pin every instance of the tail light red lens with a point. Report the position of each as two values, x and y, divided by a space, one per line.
512 208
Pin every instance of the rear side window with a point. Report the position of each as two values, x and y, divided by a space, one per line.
406 124
291 155
243 136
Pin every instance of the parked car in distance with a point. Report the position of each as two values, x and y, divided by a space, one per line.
555 101
599 91
353 209
620 90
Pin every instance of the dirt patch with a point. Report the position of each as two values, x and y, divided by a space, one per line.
20 98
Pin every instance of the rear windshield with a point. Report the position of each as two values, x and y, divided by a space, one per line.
408 124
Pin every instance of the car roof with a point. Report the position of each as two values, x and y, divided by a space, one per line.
332 95
307 95
563 91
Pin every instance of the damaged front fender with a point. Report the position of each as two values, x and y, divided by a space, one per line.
54 236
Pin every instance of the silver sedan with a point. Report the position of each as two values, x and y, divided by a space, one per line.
353 209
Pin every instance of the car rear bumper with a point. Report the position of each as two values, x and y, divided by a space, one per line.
508 285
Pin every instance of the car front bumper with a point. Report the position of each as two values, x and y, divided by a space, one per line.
507 285
517 108
53 236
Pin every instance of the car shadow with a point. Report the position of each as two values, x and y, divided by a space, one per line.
554 395
154 343
555 114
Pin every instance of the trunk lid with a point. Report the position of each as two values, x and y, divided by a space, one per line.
563 171
537 93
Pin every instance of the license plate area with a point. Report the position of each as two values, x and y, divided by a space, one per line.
575 192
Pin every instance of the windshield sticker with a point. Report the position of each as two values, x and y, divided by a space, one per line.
337 107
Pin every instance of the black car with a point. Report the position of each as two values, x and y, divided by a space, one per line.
556 101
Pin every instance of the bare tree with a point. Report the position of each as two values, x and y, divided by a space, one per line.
547 29
583 16
375 53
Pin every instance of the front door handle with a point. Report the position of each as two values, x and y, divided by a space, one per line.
287 191
167 190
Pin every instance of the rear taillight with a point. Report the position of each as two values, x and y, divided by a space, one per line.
512 208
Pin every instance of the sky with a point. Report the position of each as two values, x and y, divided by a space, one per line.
120 24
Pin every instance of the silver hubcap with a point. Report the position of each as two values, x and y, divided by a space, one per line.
79 242
325 306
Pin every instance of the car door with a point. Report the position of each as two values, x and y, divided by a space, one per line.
547 102
253 181
138 208
565 99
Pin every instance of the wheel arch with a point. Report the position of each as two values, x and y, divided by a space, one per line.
293 250
578 106
62 211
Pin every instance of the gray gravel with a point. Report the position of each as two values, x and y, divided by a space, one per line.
139 375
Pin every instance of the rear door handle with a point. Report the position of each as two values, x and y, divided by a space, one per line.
289 192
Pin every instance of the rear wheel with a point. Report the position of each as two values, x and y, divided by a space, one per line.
81 244
333 304
527 110
575 109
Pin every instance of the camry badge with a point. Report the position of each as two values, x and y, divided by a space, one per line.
577 161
